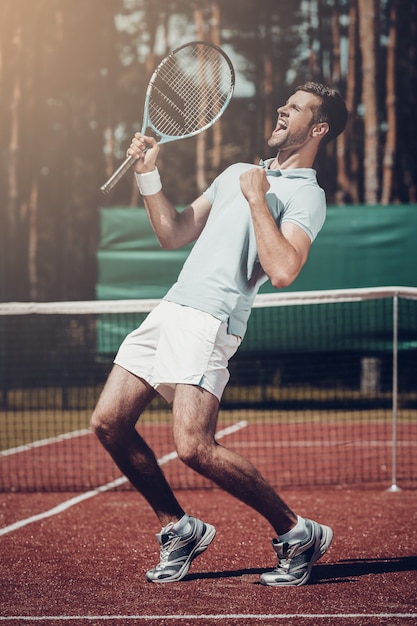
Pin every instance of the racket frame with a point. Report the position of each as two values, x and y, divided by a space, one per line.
147 123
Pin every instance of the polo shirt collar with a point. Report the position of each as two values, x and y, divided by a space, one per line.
296 172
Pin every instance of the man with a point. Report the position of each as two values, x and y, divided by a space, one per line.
251 225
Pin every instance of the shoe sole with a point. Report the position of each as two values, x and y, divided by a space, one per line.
198 549
325 542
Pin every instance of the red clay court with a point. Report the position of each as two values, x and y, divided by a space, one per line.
81 558
76 541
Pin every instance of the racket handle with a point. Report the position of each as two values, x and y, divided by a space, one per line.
121 171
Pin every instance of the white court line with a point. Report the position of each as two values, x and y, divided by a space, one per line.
111 485
242 616
45 442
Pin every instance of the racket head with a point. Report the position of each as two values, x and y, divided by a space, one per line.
189 90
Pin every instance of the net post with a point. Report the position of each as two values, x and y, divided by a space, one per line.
394 487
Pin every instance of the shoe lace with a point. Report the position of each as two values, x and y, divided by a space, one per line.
165 549
284 564
284 560
164 556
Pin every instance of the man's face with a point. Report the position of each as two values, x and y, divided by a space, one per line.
294 121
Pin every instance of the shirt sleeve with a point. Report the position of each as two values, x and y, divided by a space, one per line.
211 191
306 209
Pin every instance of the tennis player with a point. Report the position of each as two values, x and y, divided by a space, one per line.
252 224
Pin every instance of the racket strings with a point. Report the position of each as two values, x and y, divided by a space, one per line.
187 111
190 91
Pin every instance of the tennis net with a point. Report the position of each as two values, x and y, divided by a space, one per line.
322 391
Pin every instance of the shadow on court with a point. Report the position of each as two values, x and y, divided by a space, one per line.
343 571
354 568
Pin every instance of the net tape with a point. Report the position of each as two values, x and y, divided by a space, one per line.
325 296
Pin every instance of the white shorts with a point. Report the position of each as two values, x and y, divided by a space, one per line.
179 344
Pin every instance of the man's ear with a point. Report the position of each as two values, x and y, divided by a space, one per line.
319 130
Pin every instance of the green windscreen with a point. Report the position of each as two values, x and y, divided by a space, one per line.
359 246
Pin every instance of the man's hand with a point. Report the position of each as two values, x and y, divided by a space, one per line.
254 184
145 150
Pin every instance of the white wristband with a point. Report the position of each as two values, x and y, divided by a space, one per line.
149 182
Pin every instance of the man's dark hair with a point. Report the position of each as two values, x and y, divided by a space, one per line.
331 110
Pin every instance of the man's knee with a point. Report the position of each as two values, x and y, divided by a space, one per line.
103 427
194 453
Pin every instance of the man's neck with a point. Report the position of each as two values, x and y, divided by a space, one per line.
291 160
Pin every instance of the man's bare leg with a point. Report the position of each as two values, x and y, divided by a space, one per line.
195 418
122 401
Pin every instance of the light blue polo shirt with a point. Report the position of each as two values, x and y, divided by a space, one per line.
222 273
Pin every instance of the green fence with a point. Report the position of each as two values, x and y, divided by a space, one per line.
358 247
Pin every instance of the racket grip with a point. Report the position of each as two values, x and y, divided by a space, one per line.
121 171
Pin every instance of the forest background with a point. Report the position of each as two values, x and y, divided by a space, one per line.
73 75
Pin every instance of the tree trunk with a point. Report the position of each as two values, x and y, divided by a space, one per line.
390 100
367 16
410 178
33 242
352 189
13 152
12 244
347 159
311 15
342 182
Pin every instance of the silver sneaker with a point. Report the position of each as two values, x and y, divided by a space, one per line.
179 547
296 561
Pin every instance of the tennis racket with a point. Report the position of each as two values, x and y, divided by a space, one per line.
189 90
